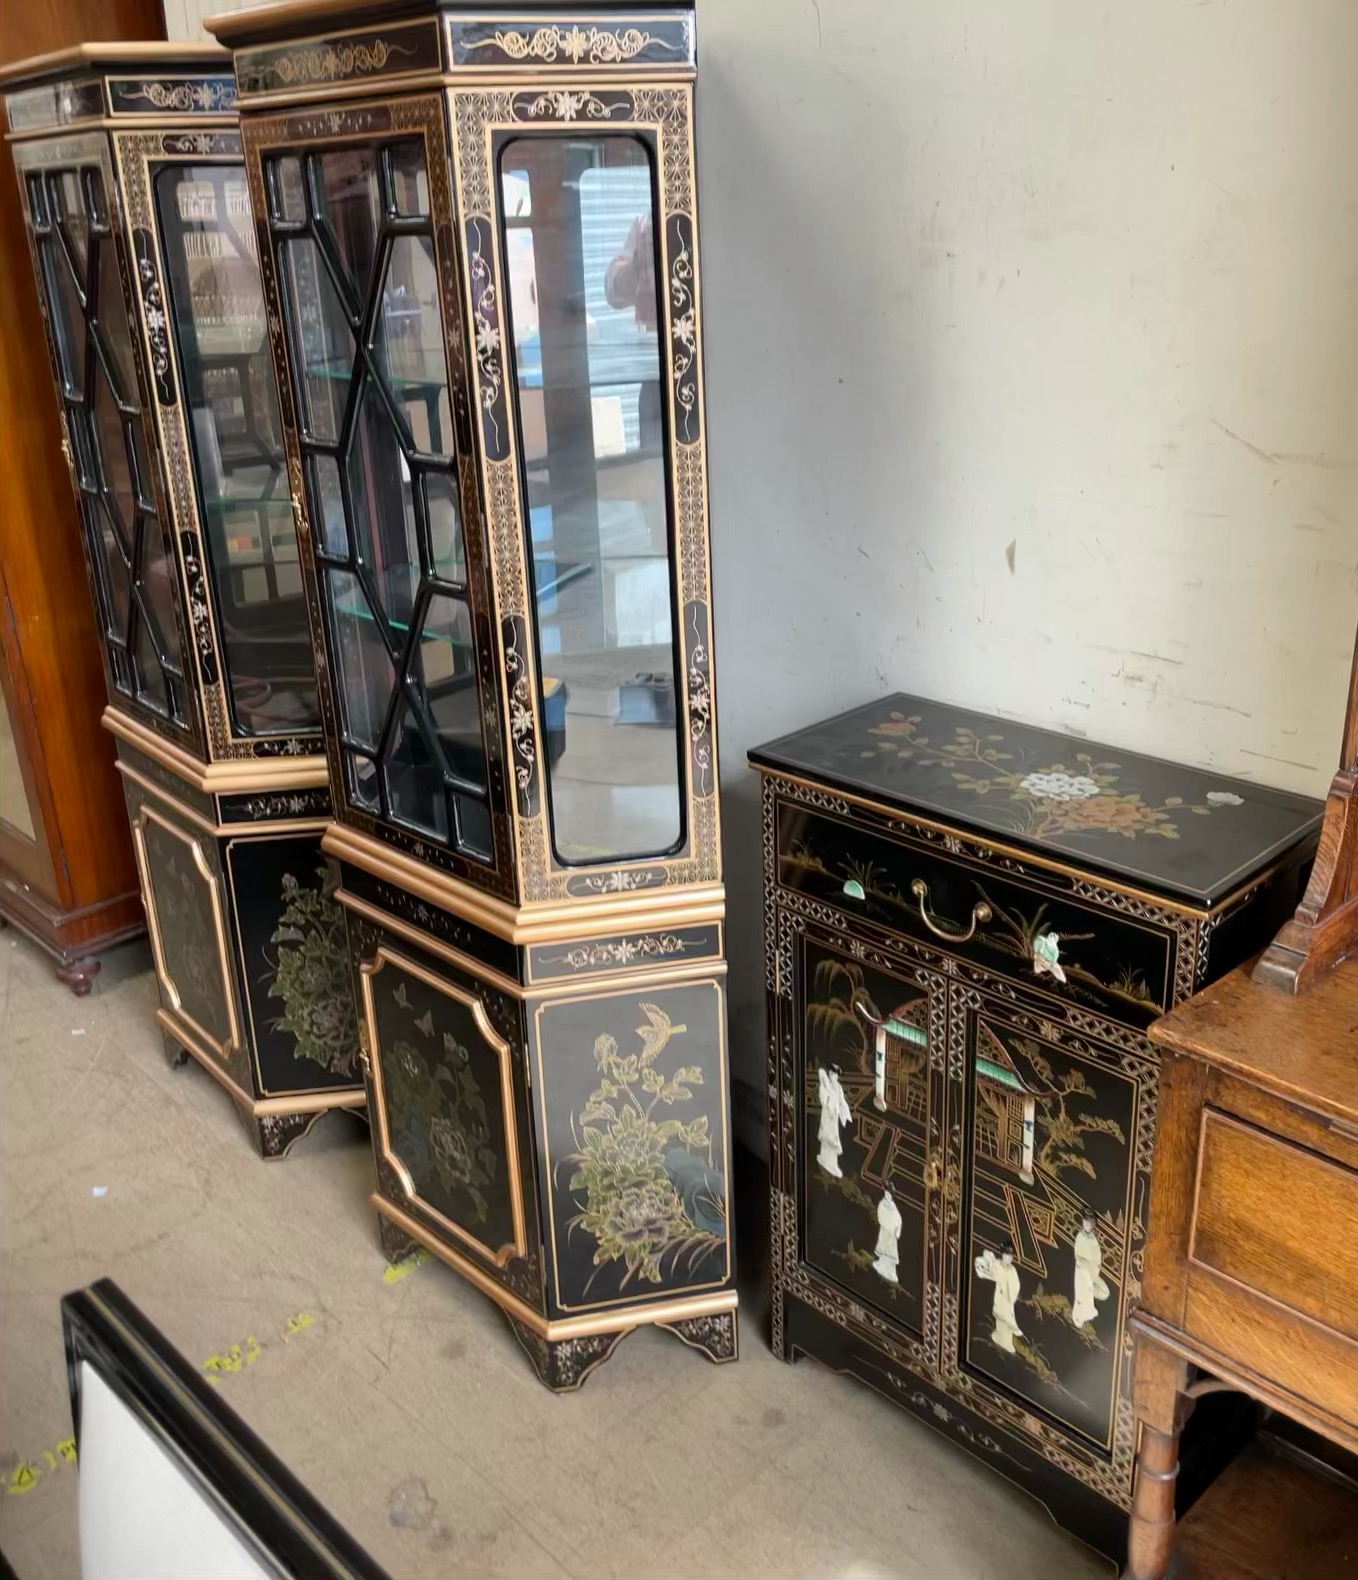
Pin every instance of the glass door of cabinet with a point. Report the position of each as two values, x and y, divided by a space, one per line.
359 284
136 584
580 250
216 312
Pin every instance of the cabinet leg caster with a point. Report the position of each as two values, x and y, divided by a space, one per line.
79 975
175 1056
275 1135
397 1246
563 1364
716 1336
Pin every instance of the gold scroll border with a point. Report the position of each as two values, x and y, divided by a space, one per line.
134 153
149 814
710 978
476 116
85 148
368 970
283 131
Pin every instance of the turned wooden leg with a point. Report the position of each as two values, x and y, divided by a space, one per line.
79 975
1162 1407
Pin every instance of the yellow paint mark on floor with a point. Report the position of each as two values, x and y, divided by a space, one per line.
28 1473
299 1322
399 1270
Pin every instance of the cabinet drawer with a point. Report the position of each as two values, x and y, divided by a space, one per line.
1036 932
1278 1219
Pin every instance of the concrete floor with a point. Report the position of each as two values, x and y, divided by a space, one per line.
405 1404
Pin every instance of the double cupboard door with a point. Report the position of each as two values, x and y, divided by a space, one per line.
969 1179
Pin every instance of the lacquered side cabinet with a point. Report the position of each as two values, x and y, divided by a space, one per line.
962 1092
479 248
143 246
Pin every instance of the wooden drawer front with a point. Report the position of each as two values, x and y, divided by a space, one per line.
1112 964
871 1166
1279 1221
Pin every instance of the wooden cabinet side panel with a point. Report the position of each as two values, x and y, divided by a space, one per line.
1182 1088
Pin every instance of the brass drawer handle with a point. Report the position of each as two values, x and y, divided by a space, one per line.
979 913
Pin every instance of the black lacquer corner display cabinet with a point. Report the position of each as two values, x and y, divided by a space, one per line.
970 925
129 162
477 231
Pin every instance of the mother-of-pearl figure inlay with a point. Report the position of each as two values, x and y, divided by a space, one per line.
887 1254
834 1112
1005 1276
1090 1286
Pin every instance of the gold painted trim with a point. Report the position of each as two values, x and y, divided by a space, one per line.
518 1247
220 778
179 1031
662 1313
629 990
557 988
965 831
715 960
202 122
537 922
260 830
148 814
152 788
259 1107
161 52
426 941
310 1102
139 156
476 117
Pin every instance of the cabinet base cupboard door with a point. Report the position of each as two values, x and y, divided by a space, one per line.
138 220
480 257
970 927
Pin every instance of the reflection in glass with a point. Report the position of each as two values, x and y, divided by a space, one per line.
325 341
365 668
325 490
217 313
356 242
346 192
383 505
580 244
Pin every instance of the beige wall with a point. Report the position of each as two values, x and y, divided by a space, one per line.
1032 375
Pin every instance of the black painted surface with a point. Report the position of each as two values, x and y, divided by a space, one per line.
882 1149
630 1102
432 919
296 978
1114 964
1081 1163
1175 830
442 1096
1070 1503
260 1500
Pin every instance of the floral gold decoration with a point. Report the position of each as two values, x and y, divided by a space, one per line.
651 1194
599 46
311 973
1054 799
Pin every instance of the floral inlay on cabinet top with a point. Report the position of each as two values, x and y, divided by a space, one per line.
1187 831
